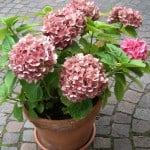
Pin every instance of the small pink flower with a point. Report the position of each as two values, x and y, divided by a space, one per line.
127 16
89 9
32 57
135 48
63 26
82 77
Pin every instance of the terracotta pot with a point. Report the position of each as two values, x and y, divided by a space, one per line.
84 147
65 134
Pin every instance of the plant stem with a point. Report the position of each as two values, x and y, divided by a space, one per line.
11 30
91 42
13 99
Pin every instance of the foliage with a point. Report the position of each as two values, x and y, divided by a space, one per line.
99 39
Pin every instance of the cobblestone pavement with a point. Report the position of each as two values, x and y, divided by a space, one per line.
122 126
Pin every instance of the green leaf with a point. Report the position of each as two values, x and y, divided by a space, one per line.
84 43
49 105
47 9
119 90
118 53
102 25
32 113
121 78
92 28
73 48
3 60
32 91
7 44
11 20
17 111
3 93
44 11
3 33
106 58
40 108
137 71
32 104
105 96
10 81
136 63
2 22
52 79
105 37
130 31
25 27
147 68
65 101
80 110
134 79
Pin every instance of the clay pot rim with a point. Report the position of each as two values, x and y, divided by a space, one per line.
85 146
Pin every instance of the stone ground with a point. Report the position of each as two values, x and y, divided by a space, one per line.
122 126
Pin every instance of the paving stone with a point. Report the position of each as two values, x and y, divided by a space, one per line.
103 120
147 89
3 118
10 138
120 130
108 110
135 87
103 130
140 126
122 118
142 113
100 142
6 108
145 101
28 124
141 141
28 146
146 77
112 100
16 1
18 6
5 10
1 131
126 107
132 96
9 148
28 136
122 144
12 118
141 149
14 126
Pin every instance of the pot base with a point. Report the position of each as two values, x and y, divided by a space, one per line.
84 147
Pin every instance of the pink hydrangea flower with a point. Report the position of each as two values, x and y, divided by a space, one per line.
89 9
113 15
127 16
32 57
135 48
82 77
63 26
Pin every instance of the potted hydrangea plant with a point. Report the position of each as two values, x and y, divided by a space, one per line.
63 70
